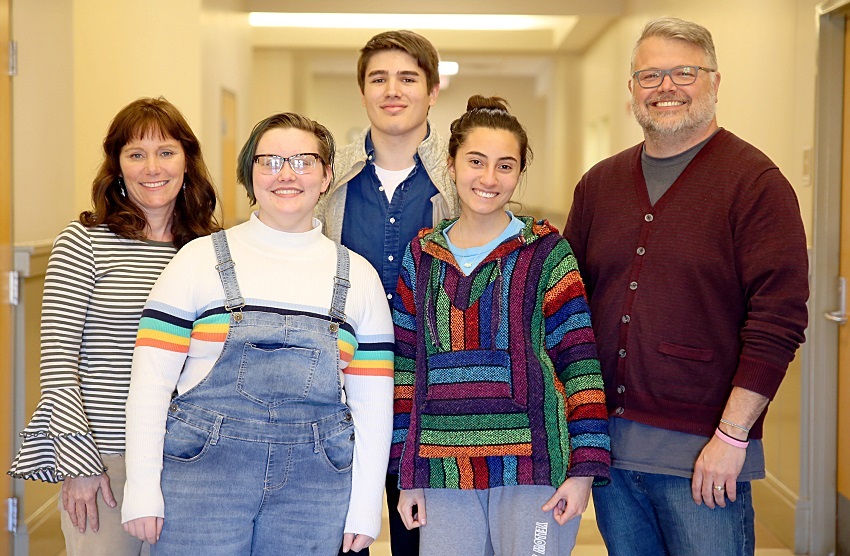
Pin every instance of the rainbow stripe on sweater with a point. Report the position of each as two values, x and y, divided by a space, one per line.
171 329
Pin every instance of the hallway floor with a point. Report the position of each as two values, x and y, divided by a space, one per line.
590 542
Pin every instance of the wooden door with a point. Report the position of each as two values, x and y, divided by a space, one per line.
843 411
228 184
6 328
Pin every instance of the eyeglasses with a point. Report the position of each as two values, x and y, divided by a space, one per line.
680 75
271 164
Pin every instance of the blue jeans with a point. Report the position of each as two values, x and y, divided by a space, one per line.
652 514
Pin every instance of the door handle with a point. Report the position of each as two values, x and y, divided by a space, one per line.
840 316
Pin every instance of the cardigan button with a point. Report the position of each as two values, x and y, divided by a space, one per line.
621 389
648 218
626 319
622 353
619 411
633 286
641 250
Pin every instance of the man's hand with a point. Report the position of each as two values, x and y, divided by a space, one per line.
79 498
719 464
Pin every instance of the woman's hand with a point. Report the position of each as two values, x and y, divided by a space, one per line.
79 498
407 500
355 542
570 499
145 528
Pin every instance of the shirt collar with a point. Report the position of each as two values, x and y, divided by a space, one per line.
370 146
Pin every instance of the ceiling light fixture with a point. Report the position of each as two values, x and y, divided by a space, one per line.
460 22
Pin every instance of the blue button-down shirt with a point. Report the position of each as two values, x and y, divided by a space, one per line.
379 229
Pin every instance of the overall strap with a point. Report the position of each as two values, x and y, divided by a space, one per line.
233 300
341 286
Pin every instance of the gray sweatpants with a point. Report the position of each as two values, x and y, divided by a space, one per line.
505 521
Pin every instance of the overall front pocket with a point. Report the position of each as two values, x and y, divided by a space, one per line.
184 443
271 374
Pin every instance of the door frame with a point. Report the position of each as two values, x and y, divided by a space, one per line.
816 513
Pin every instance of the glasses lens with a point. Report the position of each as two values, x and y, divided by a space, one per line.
269 165
684 75
302 163
650 78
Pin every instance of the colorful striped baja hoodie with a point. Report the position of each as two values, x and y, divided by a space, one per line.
497 381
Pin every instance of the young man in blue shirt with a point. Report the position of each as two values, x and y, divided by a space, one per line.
392 180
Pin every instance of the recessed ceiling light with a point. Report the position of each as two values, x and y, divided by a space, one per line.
480 22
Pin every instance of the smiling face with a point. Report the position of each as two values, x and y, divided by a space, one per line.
396 95
153 169
287 199
670 109
486 171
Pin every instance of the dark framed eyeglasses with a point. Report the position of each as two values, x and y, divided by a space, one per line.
271 164
680 75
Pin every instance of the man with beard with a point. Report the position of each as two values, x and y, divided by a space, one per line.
693 254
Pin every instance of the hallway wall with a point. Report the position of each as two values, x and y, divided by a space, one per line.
82 60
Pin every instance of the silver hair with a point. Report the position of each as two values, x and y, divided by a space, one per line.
679 29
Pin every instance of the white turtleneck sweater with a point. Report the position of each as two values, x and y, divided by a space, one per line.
293 271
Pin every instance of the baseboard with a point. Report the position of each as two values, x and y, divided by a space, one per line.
775 506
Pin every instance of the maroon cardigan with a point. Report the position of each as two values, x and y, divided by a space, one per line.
703 291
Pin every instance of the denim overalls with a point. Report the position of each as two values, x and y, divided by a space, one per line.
257 457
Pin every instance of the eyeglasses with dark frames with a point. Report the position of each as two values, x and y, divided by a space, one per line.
680 75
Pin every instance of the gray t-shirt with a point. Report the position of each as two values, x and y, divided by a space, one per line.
660 173
639 447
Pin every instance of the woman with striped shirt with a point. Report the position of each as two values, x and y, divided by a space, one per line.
151 196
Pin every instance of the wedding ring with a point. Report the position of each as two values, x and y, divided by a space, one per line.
719 488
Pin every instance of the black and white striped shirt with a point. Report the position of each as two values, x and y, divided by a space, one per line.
94 291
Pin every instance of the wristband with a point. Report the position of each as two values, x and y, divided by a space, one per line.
729 440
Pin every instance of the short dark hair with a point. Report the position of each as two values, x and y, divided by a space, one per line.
417 46
285 120
492 113
194 210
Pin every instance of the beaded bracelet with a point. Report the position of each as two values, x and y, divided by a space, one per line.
731 424
729 440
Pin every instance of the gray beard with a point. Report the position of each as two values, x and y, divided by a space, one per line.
701 114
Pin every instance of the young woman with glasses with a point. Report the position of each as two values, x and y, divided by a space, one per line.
277 344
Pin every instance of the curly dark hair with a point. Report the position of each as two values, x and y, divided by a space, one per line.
194 211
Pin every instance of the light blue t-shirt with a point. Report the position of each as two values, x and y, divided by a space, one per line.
468 259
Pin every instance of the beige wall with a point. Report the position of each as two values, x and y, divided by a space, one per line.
82 60
123 50
226 63
44 146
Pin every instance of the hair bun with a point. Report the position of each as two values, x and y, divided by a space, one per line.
479 102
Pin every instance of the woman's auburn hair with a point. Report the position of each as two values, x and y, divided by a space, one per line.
194 210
